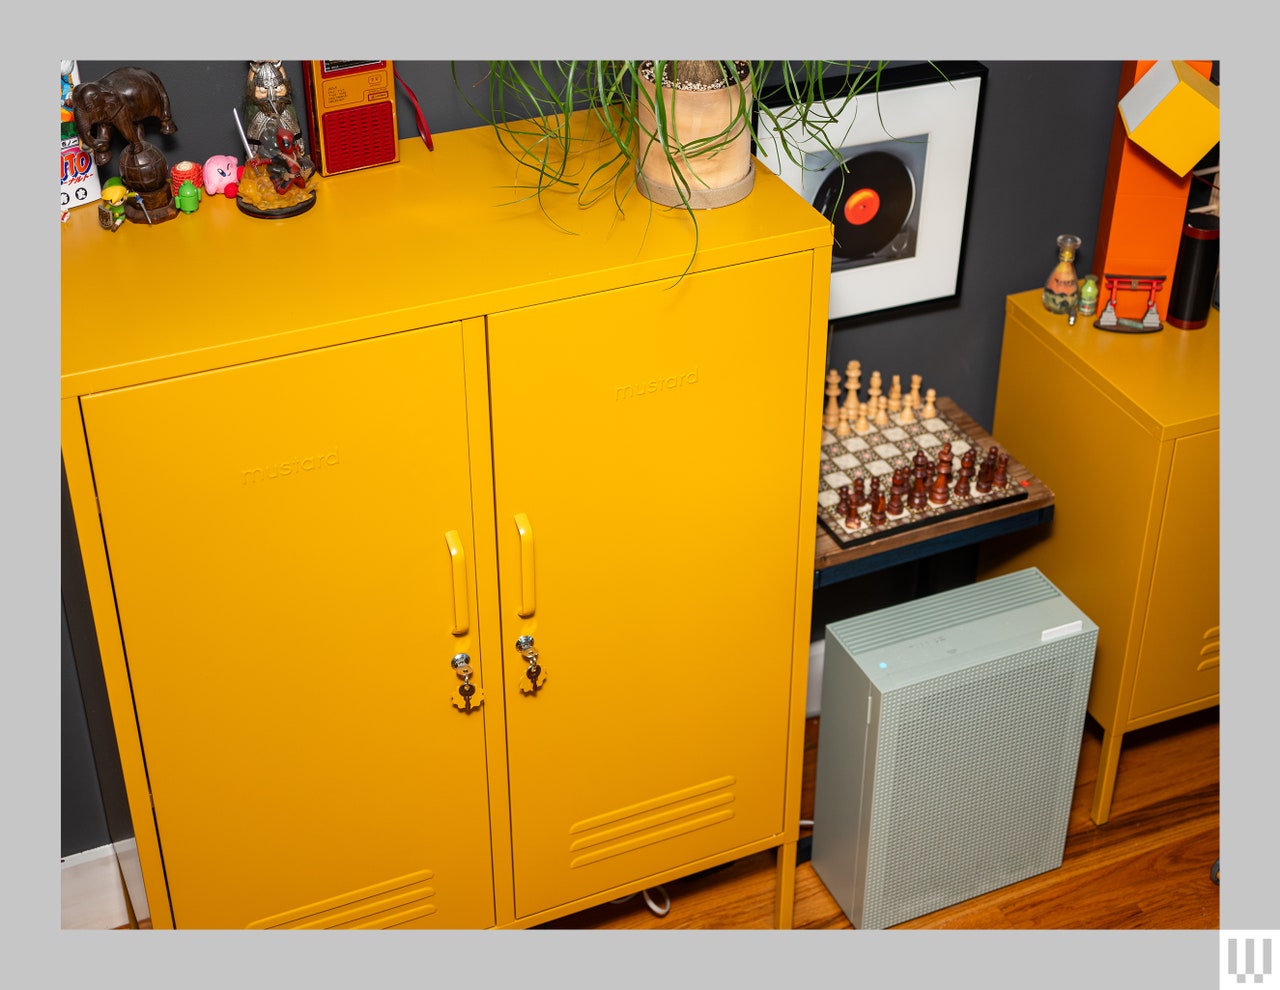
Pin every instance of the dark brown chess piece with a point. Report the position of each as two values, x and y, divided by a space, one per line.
940 493
859 495
878 514
1001 477
985 472
894 506
919 496
899 485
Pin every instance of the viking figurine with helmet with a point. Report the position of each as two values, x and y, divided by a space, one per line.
268 106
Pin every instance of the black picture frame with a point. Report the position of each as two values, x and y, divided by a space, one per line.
907 146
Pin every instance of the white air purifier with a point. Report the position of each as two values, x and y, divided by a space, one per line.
948 745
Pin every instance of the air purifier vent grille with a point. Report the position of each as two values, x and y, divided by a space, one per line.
977 602
982 767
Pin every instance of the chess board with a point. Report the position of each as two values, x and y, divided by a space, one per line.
875 454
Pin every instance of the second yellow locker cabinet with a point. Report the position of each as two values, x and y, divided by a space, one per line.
495 445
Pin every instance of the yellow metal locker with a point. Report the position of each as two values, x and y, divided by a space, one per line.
449 427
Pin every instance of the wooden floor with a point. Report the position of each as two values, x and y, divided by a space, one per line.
1148 867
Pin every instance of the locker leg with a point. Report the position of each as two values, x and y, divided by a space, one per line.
1104 787
785 887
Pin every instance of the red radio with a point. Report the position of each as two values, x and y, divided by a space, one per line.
351 107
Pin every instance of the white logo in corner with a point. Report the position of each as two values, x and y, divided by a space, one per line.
1246 958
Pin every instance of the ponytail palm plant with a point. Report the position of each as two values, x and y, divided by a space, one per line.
680 132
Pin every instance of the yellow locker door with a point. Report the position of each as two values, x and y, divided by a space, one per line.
290 603
647 468
1180 652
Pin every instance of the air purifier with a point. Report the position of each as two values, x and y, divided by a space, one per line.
948 746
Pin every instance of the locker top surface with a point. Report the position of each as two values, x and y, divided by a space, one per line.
905 644
439 236
1168 380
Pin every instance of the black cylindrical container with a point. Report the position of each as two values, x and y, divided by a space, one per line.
1194 272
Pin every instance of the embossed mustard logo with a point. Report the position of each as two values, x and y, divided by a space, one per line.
655 385
297 466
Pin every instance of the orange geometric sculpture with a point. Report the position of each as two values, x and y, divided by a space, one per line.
1144 205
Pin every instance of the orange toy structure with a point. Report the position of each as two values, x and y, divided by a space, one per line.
1144 205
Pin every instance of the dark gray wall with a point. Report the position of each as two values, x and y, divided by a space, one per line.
84 823
1041 163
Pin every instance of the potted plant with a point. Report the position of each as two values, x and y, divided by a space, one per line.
679 132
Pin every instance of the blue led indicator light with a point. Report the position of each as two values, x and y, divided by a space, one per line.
883 666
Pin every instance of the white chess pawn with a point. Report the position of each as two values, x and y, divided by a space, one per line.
895 395
908 415
862 426
882 411
842 426
930 410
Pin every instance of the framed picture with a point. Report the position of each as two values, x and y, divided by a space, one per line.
897 191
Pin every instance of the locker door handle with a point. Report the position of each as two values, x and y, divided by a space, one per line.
527 600
458 563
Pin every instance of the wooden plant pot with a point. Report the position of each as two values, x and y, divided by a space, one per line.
714 179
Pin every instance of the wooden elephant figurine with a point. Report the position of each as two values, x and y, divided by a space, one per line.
119 101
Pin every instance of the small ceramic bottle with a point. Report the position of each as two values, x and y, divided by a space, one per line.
1062 289
1088 295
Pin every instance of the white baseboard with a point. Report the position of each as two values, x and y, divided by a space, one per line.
92 891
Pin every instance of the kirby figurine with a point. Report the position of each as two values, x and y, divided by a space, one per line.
222 175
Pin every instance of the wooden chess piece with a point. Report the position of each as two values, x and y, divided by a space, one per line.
895 394
843 429
852 520
861 425
919 496
846 501
914 397
930 410
894 505
922 467
859 496
908 415
852 382
832 416
962 485
882 411
1001 477
985 470
878 514
940 494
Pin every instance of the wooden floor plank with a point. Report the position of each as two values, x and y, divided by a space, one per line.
1146 868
